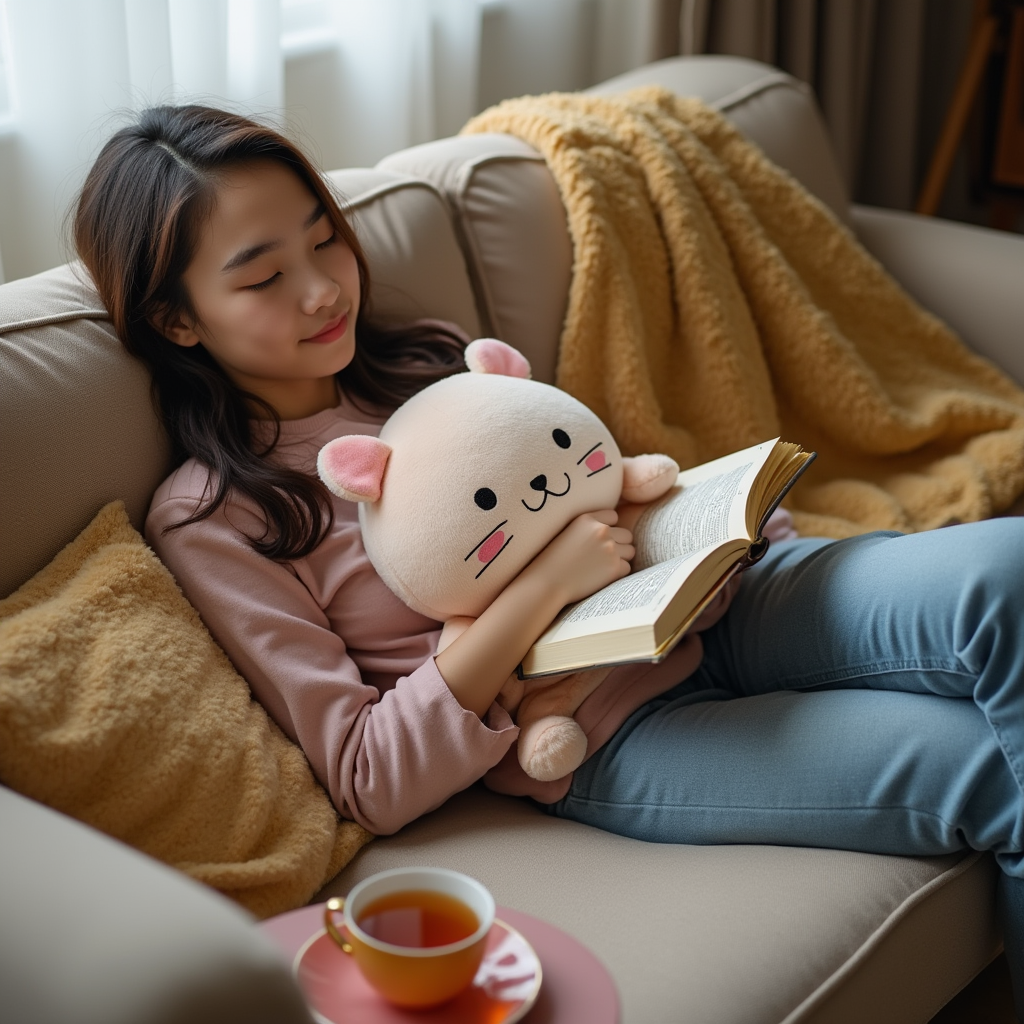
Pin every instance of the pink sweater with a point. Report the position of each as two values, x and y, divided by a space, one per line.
342 665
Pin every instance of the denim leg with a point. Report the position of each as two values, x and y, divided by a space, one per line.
939 613
865 694
880 772
908 737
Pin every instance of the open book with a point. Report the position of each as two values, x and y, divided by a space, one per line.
688 544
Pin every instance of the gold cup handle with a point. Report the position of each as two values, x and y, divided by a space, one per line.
335 905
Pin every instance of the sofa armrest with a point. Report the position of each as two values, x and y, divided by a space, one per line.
971 277
93 932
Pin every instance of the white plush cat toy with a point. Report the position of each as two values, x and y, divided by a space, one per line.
467 482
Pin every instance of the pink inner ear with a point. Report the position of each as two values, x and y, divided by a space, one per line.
353 466
488 355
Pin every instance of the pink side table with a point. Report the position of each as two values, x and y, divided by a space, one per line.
576 989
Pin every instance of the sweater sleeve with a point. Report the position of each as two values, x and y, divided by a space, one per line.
385 758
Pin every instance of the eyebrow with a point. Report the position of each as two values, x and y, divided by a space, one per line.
244 256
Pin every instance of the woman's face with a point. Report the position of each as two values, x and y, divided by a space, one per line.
275 290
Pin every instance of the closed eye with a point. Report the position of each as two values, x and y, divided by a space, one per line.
260 285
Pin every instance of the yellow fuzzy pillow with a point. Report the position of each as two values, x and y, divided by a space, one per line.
117 708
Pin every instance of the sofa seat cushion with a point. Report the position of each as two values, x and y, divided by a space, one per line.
722 935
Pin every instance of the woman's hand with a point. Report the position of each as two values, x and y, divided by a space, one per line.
588 554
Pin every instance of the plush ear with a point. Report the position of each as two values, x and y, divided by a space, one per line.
646 477
488 355
353 466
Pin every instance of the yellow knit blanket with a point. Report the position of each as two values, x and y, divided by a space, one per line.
715 303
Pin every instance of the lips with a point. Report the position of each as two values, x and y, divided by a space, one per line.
331 332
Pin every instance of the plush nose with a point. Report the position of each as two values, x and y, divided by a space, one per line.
539 483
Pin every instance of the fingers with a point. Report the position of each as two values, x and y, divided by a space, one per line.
623 541
609 517
620 537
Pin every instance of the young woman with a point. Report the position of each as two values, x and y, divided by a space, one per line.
865 694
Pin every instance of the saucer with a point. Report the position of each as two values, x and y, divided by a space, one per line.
503 991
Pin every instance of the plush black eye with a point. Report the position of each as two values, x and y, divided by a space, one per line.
561 438
486 498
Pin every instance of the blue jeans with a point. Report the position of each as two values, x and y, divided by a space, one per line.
864 694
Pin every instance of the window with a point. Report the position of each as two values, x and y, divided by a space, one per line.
306 27
5 70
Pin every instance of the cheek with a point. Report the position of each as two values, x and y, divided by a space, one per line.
259 321
345 271
491 547
244 334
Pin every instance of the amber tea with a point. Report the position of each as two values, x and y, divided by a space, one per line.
418 918
417 934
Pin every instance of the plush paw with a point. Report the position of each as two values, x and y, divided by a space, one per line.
646 477
551 747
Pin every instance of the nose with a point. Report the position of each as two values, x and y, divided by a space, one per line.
320 291
539 483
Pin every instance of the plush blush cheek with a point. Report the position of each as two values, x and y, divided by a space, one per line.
595 461
491 546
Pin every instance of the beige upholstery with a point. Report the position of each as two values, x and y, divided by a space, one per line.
770 107
92 932
79 428
722 935
971 277
395 216
512 224
511 221
472 230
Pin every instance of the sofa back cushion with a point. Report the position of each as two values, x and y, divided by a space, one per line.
511 220
77 426
78 429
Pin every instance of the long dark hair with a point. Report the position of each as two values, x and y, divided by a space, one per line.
136 227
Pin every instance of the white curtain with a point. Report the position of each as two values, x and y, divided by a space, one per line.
375 76
75 64
364 78
353 80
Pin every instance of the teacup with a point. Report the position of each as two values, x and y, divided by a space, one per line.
416 934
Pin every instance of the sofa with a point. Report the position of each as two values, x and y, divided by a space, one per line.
472 230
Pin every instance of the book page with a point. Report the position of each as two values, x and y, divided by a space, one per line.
635 600
689 519
707 506
638 590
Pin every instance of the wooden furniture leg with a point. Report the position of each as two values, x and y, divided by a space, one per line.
964 95
1008 168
